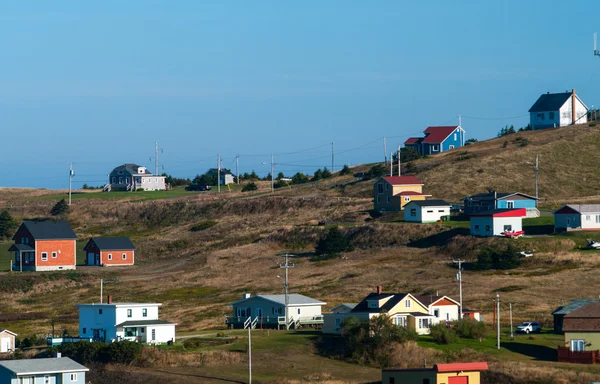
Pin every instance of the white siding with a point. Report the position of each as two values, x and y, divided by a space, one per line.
566 117
516 224
445 313
90 317
424 214
273 309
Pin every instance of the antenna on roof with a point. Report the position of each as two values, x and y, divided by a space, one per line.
596 51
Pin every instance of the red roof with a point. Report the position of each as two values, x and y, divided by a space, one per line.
435 135
402 180
412 193
413 140
518 212
457 367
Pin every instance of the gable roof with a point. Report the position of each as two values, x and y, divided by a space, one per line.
413 140
581 208
572 306
39 366
499 195
550 102
586 318
452 367
429 203
7 331
428 300
402 180
132 169
363 306
589 310
411 193
49 230
517 212
109 243
293 299
437 134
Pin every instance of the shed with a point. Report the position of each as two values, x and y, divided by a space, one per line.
426 211
7 341
457 373
497 221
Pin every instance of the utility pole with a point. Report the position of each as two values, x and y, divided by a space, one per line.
156 158
462 134
273 180
71 174
498 318
537 173
332 157
250 355
459 277
511 325
218 173
399 164
101 283
237 168
286 266
384 150
391 164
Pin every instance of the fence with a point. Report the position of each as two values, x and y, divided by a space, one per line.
565 355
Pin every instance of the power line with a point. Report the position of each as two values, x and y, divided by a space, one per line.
493 118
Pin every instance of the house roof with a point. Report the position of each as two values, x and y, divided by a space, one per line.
454 367
585 318
143 323
7 331
518 212
436 135
402 180
582 208
499 195
363 306
41 366
120 305
550 102
293 299
116 243
572 306
465 310
49 230
411 193
429 203
347 305
589 310
132 169
21 248
427 300
413 140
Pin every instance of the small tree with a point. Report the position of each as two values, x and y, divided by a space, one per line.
326 173
251 186
471 141
318 175
345 171
7 224
334 242
376 171
60 208
300 178
406 155
442 334
280 176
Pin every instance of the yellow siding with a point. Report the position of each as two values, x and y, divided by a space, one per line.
404 188
416 377
474 377
396 202
592 339
412 198
415 306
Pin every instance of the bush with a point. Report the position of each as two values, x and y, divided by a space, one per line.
220 334
300 178
521 141
326 173
345 171
495 257
442 334
60 208
470 328
203 225
122 352
249 187
375 171
7 224
333 243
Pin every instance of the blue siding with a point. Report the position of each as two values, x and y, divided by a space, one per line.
529 203
455 139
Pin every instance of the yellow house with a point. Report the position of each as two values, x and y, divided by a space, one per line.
582 335
392 193
458 373
404 309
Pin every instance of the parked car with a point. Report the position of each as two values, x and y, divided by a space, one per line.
529 327
197 187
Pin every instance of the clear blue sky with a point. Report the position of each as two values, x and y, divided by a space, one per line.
97 82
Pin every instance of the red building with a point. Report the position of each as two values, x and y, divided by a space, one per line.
109 251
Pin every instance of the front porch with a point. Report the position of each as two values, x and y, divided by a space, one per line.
24 257
146 331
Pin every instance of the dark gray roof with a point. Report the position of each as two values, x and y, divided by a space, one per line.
49 230
116 243
430 203
132 323
293 299
550 102
131 168
21 248
41 366
585 208
363 306
572 306
499 195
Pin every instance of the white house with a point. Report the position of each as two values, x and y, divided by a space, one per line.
497 221
443 308
49 370
110 322
577 216
268 311
426 211
557 110
7 341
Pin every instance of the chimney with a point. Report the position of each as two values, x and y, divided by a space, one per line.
58 355
573 106
109 299
246 296
379 289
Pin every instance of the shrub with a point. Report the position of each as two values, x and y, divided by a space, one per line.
122 352
495 257
334 242
521 141
203 225
326 174
345 171
470 328
442 334
300 178
7 224
251 186
220 334
59 208
375 171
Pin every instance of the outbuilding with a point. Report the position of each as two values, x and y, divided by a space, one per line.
426 211
497 221
457 373
109 251
7 341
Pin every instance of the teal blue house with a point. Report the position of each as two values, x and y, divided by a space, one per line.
437 139
491 200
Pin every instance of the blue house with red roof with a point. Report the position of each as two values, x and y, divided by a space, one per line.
437 139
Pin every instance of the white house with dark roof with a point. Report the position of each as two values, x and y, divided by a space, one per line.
343 308
577 216
132 177
443 308
557 110
109 322
268 311
50 370
426 211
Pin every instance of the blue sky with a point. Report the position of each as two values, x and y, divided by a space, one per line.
96 83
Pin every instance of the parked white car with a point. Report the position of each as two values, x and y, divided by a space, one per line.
529 327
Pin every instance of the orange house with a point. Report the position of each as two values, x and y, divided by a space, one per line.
109 251
44 246
392 193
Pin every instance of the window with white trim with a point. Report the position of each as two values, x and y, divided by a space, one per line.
378 199
124 256
435 147
436 312
423 323
597 218
400 321
455 137
129 313
73 377
407 303
430 211
54 255
413 212
577 345
110 256
44 256
406 198
144 312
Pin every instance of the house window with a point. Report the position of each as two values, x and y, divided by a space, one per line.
143 180
129 313
430 211
298 310
373 304
378 199
507 228
488 228
46 379
551 115
110 256
114 180
597 218
406 198
124 256
99 311
153 334
54 255
142 330
413 212
44 256
435 148
84 331
338 323
26 380
380 188
73 377
577 345
510 204
455 137
587 218
392 380
120 180
540 116
145 312
423 323
407 303
400 321
436 313
388 199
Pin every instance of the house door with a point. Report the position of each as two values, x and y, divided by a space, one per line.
258 312
97 259
568 222
4 344
91 258
458 380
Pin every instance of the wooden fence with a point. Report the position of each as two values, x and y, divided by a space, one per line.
565 355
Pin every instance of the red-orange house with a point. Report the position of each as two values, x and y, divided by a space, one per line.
109 251
44 246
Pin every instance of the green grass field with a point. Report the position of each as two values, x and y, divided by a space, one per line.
140 196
